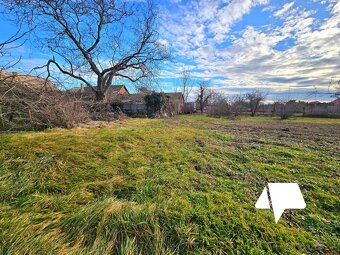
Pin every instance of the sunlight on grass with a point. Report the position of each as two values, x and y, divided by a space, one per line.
185 185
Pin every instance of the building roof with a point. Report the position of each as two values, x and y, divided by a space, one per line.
175 95
113 89
117 88
335 102
136 98
139 97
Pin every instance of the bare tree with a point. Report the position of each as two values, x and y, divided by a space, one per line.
96 39
204 94
285 109
238 105
220 106
254 100
335 84
13 42
186 84
333 89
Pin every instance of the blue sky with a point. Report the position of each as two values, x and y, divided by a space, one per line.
290 49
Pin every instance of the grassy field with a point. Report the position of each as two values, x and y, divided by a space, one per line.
186 185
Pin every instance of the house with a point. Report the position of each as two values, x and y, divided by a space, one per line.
190 107
112 92
335 102
175 102
134 104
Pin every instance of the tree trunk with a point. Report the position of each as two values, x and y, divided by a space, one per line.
100 90
100 95
253 111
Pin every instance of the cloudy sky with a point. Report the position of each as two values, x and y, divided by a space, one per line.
289 49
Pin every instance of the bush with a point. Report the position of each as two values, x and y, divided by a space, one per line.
155 103
285 110
27 106
103 111
222 107
219 108
32 103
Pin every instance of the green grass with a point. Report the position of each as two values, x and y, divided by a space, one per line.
185 185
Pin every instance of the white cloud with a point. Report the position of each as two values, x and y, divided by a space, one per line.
284 9
250 58
203 21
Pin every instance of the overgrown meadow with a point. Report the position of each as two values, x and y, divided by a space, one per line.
185 185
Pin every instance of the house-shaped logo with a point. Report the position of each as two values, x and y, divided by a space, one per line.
281 196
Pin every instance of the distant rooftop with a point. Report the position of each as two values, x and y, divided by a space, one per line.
113 89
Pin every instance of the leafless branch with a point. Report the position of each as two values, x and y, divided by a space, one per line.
106 38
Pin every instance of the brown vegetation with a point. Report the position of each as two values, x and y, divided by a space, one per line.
204 95
254 100
29 102
222 106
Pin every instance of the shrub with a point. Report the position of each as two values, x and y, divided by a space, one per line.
155 103
103 111
27 107
220 108
285 110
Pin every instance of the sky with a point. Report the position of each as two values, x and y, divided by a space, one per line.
288 49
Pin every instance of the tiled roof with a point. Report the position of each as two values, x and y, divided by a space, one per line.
136 98
175 95
89 92
336 102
